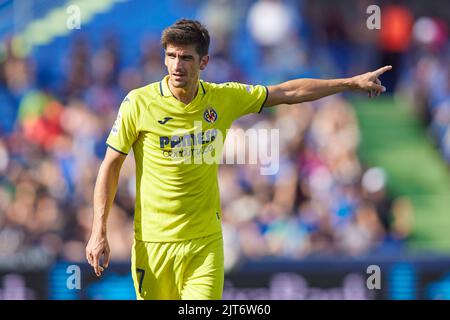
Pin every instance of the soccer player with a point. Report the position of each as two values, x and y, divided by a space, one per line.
178 249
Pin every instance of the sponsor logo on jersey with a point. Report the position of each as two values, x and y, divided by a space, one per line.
165 120
188 140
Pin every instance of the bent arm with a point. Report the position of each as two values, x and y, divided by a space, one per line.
302 90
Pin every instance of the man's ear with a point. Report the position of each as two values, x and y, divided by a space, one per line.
204 62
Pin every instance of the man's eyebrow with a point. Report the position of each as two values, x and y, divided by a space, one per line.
183 55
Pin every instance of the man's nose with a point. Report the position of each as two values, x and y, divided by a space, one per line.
178 63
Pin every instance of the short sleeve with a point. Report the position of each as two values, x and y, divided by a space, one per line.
247 98
124 131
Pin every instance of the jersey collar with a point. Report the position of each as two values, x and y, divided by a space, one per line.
165 91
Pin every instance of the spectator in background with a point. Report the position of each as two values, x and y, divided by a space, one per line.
395 38
77 69
150 62
275 30
427 83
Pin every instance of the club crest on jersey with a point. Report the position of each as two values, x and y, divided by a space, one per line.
210 115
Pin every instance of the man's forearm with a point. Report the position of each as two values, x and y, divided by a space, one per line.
104 193
302 90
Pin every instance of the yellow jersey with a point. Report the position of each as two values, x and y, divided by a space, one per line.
177 148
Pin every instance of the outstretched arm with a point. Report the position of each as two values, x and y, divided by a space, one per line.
302 90
104 193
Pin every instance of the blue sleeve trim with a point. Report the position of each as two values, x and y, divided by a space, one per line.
267 95
117 150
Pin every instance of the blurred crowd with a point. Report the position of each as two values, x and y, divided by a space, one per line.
427 82
323 200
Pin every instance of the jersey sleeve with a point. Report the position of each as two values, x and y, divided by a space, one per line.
247 98
125 129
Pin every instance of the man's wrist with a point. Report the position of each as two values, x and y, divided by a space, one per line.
350 84
99 230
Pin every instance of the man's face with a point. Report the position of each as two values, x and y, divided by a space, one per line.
183 64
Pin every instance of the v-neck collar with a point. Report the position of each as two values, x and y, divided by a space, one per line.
165 92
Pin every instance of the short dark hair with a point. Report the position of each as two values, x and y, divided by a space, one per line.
187 32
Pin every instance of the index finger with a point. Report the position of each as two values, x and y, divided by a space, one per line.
96 264
382 70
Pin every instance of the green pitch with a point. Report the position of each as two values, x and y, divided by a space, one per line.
393 138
